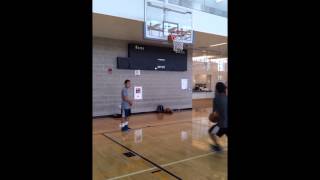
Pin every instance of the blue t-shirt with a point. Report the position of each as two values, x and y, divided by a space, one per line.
124 103
220 105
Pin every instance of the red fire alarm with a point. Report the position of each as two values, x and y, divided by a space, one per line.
109 70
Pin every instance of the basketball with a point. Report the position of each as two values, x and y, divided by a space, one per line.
213 117
168 110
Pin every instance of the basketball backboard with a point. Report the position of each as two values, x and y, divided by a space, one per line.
161 19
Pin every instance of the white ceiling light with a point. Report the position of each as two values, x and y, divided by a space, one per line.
217 44
217 1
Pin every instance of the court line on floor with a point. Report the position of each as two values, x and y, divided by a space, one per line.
144 158
133 173
188 159
164 165
157 166
157 125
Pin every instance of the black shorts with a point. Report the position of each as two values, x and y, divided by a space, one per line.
220 132
126 112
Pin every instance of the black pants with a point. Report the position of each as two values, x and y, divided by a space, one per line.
126 112
221 131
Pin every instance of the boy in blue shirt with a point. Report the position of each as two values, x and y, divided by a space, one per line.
126 104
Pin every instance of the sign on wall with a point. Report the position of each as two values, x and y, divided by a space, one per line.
137 92
184 84
137 72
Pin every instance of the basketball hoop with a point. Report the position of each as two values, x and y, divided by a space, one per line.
171 38
178 45
177 41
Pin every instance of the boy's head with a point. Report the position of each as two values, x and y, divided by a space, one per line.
221 87
127 83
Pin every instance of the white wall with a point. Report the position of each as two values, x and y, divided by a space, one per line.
134 9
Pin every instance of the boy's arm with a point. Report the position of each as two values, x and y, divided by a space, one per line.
126 98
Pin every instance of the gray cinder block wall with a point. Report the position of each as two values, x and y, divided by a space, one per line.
159 87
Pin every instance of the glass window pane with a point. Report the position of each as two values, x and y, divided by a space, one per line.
217 7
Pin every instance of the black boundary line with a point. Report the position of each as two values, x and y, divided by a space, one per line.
156 165
156 171
114 131
99 133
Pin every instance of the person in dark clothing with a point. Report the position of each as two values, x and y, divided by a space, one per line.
220 107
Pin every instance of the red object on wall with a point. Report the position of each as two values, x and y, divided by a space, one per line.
109 71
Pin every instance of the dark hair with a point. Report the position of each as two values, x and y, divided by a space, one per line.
221 87
126 81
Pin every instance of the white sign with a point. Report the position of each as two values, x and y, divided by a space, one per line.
137 72
138 92
184 83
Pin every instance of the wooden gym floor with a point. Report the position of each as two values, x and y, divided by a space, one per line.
163 147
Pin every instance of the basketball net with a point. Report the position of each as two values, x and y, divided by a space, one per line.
178 45
177 41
